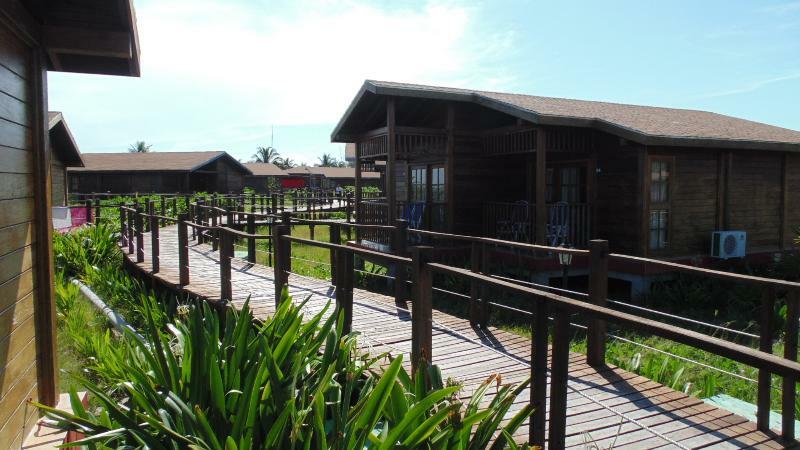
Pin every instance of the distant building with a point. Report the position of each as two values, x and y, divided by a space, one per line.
328 177
214 171
64 153
264 176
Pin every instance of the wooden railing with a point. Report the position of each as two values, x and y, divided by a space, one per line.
421 264
517 222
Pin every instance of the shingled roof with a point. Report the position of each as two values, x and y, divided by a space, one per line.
265 169
330 172
152 161
648 125
62 141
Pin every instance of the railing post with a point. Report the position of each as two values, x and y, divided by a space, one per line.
286 219
558 381
344 287
131 230
123 228
282 258
139 236
151 210
274 204
215 232
421 314
484 289
229 214
474 286
335 237
789 391
175 206
539 343
163 210
251 243
89 211
598 294
183 250
225 254
399 248
155 250
765 345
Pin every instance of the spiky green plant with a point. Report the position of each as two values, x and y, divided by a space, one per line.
231 382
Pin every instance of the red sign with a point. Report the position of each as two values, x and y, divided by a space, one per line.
293 183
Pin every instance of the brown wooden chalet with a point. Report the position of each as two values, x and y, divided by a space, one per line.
265 176
36 36
330 177
653 181
64 153
214 171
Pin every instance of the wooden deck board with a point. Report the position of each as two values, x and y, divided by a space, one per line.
471 355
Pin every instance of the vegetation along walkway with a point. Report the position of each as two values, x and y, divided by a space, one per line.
606 406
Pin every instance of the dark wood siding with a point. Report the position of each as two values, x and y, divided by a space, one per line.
793 199
618 200
18 290
755 198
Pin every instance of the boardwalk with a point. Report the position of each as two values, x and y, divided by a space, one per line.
606 406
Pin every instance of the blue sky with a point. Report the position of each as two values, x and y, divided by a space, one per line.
223 74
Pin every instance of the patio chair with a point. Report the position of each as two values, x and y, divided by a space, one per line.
557 231
414 214
516 226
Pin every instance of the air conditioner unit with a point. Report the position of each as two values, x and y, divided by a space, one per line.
728 244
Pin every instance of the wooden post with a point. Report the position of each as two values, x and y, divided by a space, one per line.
539 343
450 160
139 236
789 390
131 230
765 345
163 210
274 204
155 249
286 219
335 237
421 314
391 155
541 185
311 230
214 232
251 243
486 259
183 250
175 206
598 294
474 286
399 244
225 255
558 381
89 211
282 258
344 287
123 229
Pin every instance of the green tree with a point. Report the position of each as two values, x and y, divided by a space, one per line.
140 147
266 155
327 160
284 163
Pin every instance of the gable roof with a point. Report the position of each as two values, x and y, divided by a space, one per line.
647 125
330 172
265 169
153 161
62 141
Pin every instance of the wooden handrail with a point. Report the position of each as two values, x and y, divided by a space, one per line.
243 234
386 257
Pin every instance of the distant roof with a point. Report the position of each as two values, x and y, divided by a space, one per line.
648 125
331 172
153 161
62 141
265 169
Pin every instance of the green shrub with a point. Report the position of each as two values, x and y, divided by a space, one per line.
205 382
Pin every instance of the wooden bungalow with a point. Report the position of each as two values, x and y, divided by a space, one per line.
64 153
265 176
330 177
653 181
214 171
88 36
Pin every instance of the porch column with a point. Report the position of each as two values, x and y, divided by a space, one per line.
449 176
357 183
391 186
541 185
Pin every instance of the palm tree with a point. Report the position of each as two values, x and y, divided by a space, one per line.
266 154
139 147
327 160
284 163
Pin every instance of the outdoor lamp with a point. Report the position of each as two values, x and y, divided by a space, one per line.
565 258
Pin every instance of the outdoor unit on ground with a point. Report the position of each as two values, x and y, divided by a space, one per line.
728 244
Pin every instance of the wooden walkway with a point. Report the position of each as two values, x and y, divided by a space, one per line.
606 406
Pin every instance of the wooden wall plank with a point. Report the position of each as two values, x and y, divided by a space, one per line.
14 54
15 237
17 366
12 84
16 262
16 211
13 160
13 316
16 288
17 396
14 135
11 346
15 185
14 110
